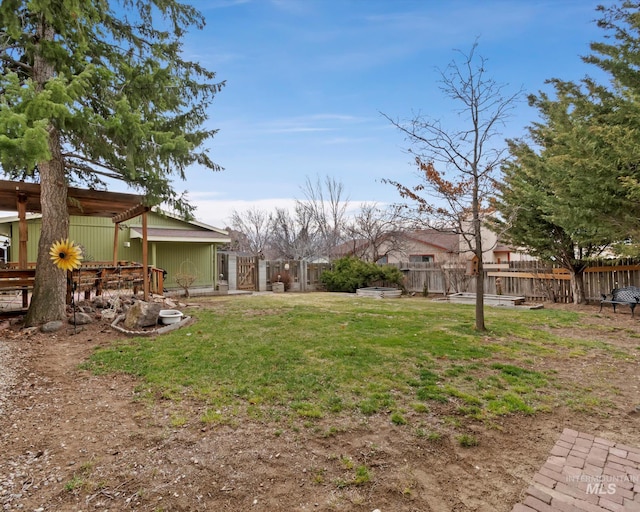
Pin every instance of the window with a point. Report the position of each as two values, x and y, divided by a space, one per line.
421 258
383 261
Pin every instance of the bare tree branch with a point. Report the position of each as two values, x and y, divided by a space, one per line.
456 166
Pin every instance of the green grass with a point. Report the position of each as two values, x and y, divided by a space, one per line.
467 440
316 355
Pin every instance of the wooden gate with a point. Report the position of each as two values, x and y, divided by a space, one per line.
247 271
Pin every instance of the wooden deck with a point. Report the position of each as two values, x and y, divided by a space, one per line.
91 278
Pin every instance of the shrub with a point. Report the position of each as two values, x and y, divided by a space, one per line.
348 274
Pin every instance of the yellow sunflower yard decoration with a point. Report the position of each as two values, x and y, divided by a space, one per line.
66 255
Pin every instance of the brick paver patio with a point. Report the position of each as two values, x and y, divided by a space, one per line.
585 473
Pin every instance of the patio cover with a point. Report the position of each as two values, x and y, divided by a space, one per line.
24 197
89 203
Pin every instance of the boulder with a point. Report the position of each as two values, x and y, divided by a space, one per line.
80 318
142 314
52 326
100 302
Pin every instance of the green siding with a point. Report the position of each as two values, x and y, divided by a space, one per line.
175 258
186 259
95 235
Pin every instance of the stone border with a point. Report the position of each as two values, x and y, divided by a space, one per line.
187 320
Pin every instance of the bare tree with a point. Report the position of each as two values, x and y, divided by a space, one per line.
326 206
456 167
253 224
292 235
456 276
377 232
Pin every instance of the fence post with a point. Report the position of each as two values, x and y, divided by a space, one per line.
302 275
262 276
232 265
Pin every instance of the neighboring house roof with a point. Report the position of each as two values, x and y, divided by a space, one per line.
180 235
443 241
350 247
446 241
503 248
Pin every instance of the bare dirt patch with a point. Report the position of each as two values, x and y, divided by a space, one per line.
75 441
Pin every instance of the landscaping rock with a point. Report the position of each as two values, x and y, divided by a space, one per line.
80 318
100 302
53 326
142 314
108 314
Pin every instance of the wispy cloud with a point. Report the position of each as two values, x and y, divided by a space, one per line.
341 141
220 4
295 7
311 123
296 129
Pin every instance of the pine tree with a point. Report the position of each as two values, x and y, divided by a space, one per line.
92 91
565 194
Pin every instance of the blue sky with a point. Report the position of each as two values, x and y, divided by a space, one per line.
307 81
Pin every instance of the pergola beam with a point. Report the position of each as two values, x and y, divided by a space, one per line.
131 213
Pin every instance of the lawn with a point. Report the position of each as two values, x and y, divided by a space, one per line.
310 356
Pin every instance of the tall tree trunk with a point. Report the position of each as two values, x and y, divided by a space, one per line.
477 242
49 291
577 285
480 298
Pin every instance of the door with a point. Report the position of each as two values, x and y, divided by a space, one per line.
247 273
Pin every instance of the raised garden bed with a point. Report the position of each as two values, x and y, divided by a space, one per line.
379 292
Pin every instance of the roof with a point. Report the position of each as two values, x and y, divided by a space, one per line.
445 240
193 222
89 203
180 235
350 247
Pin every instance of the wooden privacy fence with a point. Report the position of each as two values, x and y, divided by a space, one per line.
534 280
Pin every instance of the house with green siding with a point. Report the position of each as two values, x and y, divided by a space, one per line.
174 245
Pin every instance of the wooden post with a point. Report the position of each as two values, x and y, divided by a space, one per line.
115 244
23 238
215 266
130 214
145 257
23 231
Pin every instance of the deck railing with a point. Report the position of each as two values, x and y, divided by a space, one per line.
91 278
